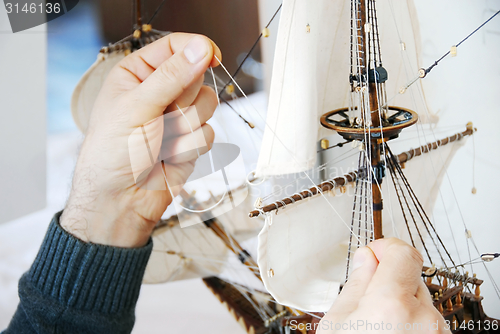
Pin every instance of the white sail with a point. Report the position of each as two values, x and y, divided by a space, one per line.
311 75
302 253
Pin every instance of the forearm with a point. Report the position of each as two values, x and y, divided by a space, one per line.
99 212
75 285
78 287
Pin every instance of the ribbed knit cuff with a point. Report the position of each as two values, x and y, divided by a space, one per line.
87 276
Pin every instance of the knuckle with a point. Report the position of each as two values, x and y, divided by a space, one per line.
406 251
171 73
411 253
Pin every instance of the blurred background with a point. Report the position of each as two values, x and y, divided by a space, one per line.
74 40
40 142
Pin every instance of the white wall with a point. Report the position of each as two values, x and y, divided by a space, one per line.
466 88
22 121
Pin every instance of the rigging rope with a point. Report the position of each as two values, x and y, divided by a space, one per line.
249 52
463 40
156 11
395 178
420 209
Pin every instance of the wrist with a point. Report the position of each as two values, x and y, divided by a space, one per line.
106 221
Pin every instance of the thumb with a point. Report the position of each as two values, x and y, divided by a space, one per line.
170 80
363 268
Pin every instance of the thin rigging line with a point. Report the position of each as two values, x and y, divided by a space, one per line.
421 212
249 52
463 40
423 133
156 11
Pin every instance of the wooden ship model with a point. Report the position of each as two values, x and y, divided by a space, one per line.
369 122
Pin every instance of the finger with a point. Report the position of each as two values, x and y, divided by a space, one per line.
169 80
154 178
364 266
143 62
156 181
194 117
188 96
187 147
399 269
154 56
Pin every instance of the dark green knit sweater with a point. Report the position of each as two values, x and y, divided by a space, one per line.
78 287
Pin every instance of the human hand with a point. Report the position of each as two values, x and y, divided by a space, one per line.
385 290
108 204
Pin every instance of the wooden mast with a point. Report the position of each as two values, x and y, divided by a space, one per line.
138 11
228 239
376 193
375 122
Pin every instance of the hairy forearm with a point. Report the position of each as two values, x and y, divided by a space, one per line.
99 215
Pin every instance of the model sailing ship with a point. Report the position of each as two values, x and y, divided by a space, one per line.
363 117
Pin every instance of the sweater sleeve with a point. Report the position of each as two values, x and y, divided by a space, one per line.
77 287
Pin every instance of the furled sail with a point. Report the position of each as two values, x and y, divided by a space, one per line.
183 253
196 251
88 87
311 75
303 249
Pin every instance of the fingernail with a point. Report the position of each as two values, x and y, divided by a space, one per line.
359 259
196 50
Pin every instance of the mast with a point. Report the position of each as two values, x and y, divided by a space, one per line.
363 40
138 12
376 193
228 240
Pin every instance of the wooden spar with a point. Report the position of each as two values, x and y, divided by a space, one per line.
238 304
351 177
406 156
325 186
